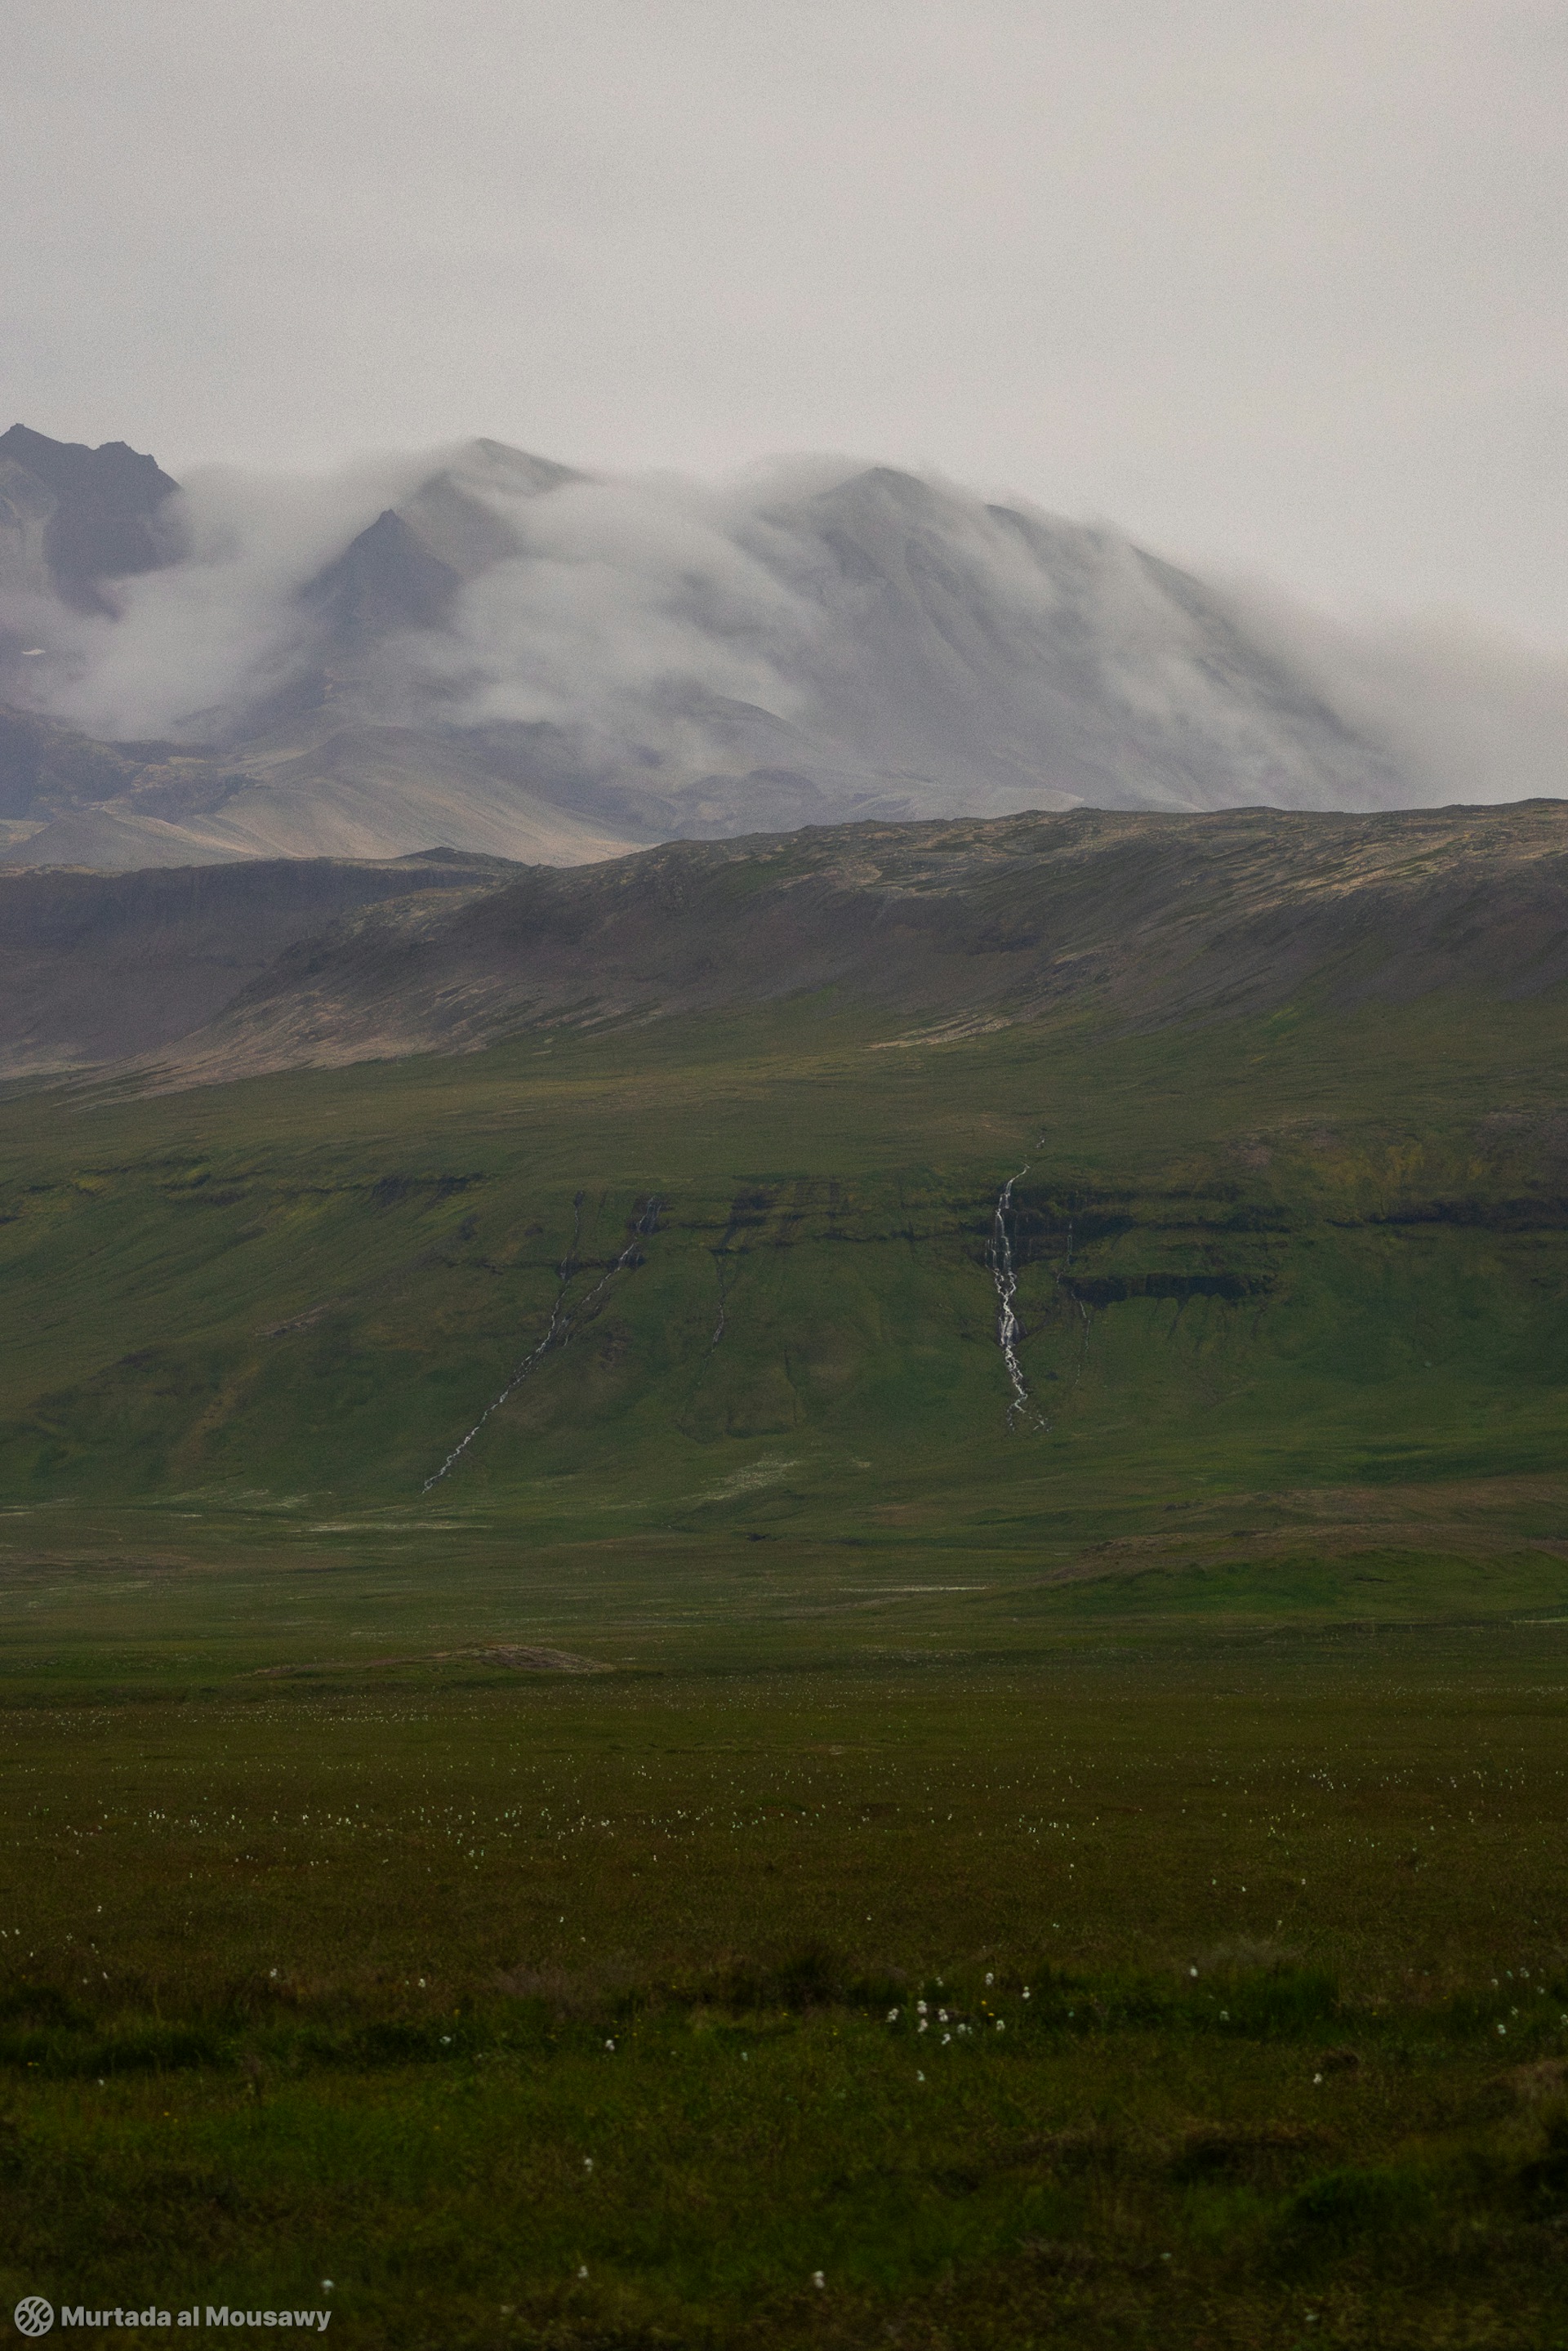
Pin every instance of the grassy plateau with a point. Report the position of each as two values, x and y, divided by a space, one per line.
581 1762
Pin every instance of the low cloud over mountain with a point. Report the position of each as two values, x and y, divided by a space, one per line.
488 650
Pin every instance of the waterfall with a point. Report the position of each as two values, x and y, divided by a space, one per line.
1010 1330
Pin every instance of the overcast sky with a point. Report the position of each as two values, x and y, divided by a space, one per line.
1279 284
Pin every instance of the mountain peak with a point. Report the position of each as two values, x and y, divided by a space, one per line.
384 580
101 503
497 463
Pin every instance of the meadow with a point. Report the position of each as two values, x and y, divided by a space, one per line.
761 1848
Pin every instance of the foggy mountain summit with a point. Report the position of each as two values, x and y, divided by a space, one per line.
490 651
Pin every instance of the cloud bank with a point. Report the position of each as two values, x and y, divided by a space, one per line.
1469 712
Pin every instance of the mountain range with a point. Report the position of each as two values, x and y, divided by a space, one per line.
493 652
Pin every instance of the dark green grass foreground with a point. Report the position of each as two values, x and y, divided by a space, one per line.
452 1994
1218 1703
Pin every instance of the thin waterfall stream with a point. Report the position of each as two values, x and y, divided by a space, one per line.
561 1324
999 1257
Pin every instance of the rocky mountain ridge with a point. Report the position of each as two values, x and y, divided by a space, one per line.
73 519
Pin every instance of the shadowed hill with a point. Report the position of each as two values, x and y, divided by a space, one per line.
95 966
938 929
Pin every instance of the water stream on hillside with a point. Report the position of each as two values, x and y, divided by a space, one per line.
1010 1330
561 1324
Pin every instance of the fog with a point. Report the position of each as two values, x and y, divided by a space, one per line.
1469 712
196 641
622 592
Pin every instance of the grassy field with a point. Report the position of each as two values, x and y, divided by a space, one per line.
1216 1703
585 2010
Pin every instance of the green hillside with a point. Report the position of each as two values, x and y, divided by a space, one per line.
1310 1250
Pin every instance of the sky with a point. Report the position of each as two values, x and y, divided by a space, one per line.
1282 290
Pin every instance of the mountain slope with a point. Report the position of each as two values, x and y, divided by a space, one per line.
1001 653
317 788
